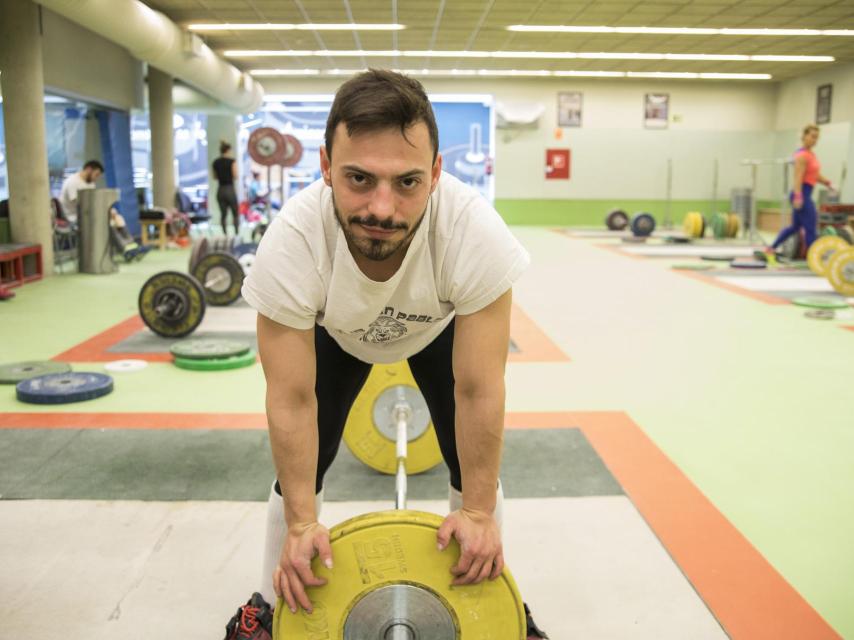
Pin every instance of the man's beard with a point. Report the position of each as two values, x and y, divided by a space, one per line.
375 248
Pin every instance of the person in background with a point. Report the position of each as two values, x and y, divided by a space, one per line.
83 179
225 171
807 174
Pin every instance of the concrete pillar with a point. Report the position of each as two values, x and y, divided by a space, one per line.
162 137
220 127
24 121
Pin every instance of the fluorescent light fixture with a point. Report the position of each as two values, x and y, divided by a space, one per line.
691 31
540 55
299 97
270 26
504 73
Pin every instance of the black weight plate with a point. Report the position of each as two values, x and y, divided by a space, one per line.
719 258
19 371
171 304
258 232
200 250
702 227
845 232
617 220
678 240
60 388
747 263
221 276
208 349
243 248
643 224
633 239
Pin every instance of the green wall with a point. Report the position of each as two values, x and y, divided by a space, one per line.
581 213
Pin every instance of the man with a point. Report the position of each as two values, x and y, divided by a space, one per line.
83 179
385 238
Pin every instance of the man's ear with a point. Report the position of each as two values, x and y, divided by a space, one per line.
436 172
325 166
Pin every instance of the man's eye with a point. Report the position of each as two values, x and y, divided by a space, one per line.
358 178
409 183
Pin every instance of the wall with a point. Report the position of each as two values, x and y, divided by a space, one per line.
615 160
83 65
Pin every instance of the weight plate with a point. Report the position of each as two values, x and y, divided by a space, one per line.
677 240
221 276
266 145
370 432
692 266
125 366
822 250
246 261
840 271
200 249
171 304
791 247
845 234
633 239
18 371
61 388
719 225
747 263
208 349
690 224
217 364
376 557
828 231
819 302
702 226
291 152
617 220
734 225
719 258
643 224
820 314
243 248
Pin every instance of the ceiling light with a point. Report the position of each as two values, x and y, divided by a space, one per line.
680 30
268 26
540 55
542 73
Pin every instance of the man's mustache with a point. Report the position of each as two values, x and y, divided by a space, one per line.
373 221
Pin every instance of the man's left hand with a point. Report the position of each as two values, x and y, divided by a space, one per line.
481 553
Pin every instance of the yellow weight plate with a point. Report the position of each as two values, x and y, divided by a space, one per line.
735 225
373 443
692 224
821 251
840 271
395 552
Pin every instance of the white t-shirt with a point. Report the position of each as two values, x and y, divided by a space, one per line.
462 258
68 195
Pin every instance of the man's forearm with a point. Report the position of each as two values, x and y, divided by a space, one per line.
293 439
480 439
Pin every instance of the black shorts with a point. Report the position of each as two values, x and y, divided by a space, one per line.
341 376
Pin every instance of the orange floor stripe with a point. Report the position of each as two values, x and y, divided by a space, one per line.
749 598
747 293
533 344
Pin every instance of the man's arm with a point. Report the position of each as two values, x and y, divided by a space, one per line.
288 358
481 342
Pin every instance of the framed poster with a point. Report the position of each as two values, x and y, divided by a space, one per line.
557 164
656 109
823 100
569 109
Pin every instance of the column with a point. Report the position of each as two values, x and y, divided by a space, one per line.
162 137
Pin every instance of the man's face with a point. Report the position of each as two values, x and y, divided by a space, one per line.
90 175
380 185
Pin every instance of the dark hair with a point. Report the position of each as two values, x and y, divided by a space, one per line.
808 128
224 146
378 99
94 164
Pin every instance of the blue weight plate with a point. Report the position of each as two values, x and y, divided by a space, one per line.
643 224
60 388
244 248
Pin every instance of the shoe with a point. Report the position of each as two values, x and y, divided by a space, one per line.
253 621
534 632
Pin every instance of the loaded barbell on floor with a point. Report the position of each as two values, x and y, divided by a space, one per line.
391 582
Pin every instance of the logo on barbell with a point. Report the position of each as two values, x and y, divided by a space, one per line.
315 624
380 557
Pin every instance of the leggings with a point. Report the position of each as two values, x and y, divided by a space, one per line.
340 377
805 217
226 198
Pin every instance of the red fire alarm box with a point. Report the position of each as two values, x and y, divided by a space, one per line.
557 164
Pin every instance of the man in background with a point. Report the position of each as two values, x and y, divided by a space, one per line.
83 179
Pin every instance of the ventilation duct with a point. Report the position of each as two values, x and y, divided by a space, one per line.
153 38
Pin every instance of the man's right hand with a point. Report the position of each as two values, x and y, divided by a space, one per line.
293 575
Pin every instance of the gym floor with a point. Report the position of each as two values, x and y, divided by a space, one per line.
678 460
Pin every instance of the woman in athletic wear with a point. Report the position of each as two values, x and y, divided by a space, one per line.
807 174
225 172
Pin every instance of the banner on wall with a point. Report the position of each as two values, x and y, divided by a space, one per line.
656 110
569 109
557 164
824 97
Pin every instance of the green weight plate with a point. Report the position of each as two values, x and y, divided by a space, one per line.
829 231
208 349
221 275
218 364
719 224
692 266
817 302
720 258
16 372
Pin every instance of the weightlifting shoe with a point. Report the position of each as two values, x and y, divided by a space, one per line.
253 621
534 632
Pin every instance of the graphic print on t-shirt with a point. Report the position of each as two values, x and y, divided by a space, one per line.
388 328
